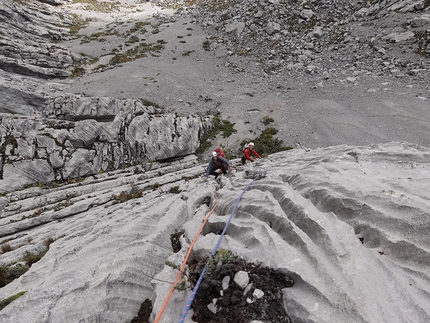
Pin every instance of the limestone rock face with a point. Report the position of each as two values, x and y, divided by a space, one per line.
27 32
38 151
349 224
102 183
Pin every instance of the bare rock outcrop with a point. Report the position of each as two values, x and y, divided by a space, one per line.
35 150
96 186
28 32
348 224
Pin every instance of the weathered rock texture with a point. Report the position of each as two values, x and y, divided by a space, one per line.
27 34
36 151
348 224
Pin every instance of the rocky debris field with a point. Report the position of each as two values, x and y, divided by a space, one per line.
240 292
325 37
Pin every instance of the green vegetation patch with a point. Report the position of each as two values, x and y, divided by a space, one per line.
221 256
213 6
137 52
148 103
139 26
79 24
175 190
266 144
126 196
100 36
12 271
7 301
219 126
266 120
187 53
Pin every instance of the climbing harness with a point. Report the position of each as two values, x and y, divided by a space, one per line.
196 287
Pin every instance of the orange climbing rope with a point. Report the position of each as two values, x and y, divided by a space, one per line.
178 276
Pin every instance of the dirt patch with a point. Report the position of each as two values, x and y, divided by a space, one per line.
176 243
144 312
261 300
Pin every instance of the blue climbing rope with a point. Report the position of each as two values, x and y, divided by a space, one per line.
193 294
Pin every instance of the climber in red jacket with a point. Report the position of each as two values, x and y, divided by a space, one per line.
248 152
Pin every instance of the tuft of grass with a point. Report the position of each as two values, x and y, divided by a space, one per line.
206 45
187 53
31 258
12 271
6 248
7 301
224 256
132 39
47 242
139 26
79 24
175 190
139 51
126 196
77 71
266 120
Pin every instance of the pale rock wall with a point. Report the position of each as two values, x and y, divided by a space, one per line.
40 150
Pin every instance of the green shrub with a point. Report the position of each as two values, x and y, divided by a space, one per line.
266 144
10 272
31 258
17 270
219 126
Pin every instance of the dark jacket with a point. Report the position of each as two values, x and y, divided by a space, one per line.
219 163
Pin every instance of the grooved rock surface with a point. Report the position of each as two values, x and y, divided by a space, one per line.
348 224
36 151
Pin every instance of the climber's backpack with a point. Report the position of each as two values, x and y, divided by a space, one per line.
245 147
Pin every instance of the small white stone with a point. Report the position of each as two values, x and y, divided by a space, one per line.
258 293
225 282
